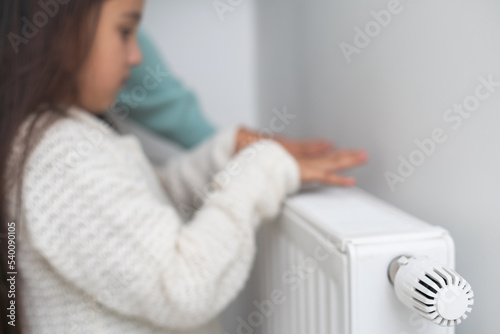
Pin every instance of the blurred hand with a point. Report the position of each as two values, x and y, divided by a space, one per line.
297 148
317 159
324 168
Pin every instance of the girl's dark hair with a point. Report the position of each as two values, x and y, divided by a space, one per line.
43 46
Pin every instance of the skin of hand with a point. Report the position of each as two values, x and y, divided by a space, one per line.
317 159
297 148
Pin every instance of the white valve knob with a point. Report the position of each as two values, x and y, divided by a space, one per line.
437 293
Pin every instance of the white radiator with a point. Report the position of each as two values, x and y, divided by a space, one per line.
323 267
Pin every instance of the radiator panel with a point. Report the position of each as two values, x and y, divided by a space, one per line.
331 275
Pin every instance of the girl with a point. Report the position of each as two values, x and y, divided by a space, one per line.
96 239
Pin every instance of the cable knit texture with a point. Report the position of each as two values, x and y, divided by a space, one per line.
109 243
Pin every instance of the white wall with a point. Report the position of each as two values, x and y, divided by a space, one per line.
213 56
394 91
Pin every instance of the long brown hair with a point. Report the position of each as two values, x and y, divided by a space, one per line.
43 45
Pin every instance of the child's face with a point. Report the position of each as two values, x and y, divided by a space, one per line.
114 52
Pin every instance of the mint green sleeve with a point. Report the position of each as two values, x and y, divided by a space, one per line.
158 101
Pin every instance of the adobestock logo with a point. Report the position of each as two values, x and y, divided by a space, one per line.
227 6
454 118
29 29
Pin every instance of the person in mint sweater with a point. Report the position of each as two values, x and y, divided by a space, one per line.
157 100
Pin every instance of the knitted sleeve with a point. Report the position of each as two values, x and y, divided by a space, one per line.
187 177
99 220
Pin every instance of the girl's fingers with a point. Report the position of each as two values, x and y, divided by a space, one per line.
323 168
347 159
314 147
306 148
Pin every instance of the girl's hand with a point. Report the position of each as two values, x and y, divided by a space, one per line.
317 160
305 148
297 148
325 168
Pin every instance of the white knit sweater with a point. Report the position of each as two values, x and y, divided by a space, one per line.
109 243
